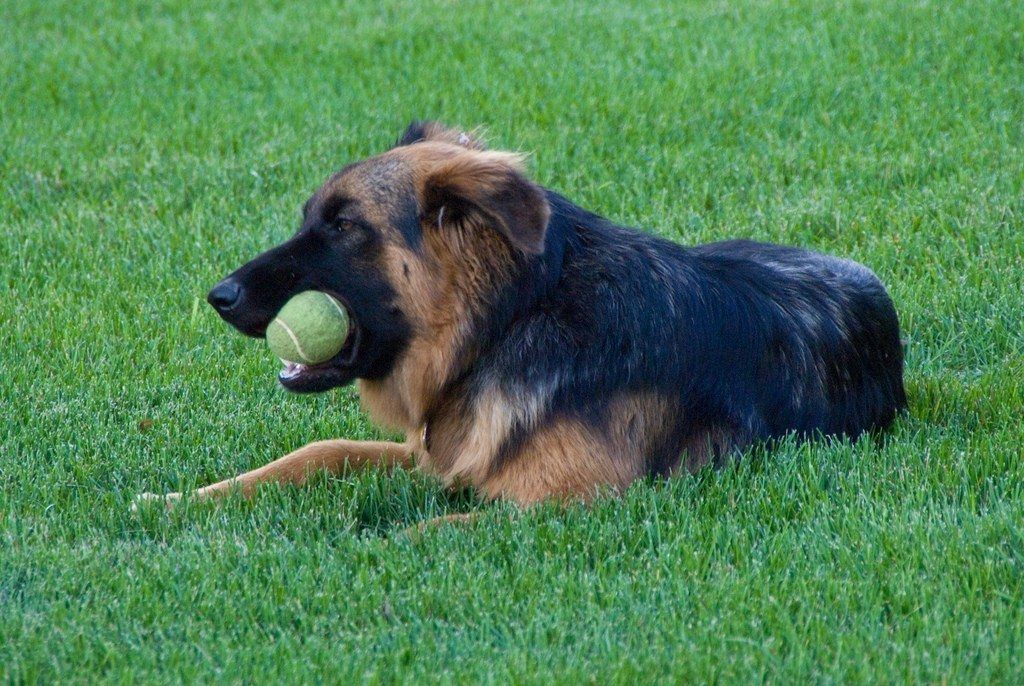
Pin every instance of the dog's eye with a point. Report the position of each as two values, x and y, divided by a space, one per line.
345 224
350 232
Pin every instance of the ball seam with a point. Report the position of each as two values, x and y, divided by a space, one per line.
338 305
295 341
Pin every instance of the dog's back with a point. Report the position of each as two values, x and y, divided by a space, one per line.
730 343
819 340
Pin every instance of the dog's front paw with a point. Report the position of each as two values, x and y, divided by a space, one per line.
155 499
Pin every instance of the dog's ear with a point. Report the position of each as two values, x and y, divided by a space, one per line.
491 189
419 131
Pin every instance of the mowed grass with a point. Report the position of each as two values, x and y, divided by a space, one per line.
148 148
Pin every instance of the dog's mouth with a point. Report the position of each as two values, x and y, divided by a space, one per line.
337 371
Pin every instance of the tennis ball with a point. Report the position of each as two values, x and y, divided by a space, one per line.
310 328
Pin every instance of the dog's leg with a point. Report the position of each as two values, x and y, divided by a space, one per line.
296 467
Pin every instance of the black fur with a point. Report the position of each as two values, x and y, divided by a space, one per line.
754 340
414 133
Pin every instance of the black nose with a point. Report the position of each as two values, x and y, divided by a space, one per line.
225 295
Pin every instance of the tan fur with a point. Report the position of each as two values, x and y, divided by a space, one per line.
441 298
564 460
570 459
463 453
440 291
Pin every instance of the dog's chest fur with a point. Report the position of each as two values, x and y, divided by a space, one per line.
460 437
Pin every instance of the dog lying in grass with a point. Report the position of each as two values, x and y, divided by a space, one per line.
534 350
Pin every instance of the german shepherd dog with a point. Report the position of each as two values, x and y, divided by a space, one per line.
533 350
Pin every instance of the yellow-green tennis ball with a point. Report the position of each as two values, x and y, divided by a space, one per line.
310 328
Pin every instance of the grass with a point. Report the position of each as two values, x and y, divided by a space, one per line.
148 148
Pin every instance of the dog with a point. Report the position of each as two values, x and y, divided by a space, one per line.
533 350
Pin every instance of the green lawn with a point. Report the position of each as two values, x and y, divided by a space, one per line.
148 148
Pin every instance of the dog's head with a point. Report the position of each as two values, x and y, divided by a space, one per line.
393 238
